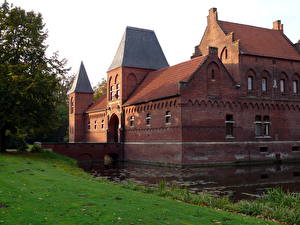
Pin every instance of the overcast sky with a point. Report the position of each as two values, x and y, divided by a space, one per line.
91 30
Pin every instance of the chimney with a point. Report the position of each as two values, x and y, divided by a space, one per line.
213 51
277 25
212 16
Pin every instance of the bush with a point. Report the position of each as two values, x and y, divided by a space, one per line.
36 147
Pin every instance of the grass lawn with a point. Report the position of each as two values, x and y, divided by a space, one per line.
44 188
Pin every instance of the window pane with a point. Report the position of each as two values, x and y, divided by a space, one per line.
229 129
250 83
264 84
295 87
282 86
258 129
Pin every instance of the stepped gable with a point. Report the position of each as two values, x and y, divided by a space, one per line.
164 82
99 105
139 48
261 41
81 82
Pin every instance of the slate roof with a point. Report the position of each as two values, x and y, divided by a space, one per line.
81 82
99 105
139 48
261 41
165 82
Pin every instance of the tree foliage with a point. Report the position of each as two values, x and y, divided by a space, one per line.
30 88
100 89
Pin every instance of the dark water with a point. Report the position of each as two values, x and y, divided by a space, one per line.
237 182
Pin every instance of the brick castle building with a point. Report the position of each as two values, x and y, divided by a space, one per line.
236 99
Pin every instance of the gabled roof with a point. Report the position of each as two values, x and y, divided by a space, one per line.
81 82
164 82
99 105
139 48
261 41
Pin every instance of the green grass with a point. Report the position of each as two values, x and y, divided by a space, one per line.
45 188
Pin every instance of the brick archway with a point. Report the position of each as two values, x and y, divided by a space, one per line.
113 129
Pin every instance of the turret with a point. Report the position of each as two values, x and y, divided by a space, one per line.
80 98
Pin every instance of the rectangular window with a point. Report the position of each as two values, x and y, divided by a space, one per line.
263 149
264 84
295 86
168 117
131 121
102 124
262 127
148 119
258 125
229 122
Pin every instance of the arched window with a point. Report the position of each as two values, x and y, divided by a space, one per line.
250 83
282 85
295 87
148 119
213 74
168 117
111 89
264 84
117 91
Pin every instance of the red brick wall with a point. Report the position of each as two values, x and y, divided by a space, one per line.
76 119
86 151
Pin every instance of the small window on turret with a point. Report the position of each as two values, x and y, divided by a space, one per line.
72 105
117 91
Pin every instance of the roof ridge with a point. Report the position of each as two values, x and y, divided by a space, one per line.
264 28
139 29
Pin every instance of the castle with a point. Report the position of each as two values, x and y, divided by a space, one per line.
236 99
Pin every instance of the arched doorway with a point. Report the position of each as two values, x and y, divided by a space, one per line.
113 129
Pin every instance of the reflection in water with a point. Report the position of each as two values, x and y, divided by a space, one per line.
238 182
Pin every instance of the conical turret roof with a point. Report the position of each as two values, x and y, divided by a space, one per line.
139 48
81 82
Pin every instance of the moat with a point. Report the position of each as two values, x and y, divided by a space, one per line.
237 182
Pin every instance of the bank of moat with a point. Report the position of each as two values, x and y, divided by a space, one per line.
235 100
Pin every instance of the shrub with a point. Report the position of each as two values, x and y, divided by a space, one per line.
36 147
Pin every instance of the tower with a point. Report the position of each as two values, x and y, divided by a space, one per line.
80 98
139 52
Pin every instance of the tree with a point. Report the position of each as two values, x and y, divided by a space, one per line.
100 89
29 80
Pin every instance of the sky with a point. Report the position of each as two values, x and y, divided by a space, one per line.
90 30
